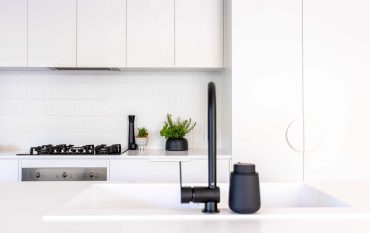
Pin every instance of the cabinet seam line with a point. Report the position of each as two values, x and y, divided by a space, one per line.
303 99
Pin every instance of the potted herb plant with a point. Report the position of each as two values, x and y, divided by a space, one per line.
175 131
142 138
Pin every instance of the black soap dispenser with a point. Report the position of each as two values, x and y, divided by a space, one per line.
244 193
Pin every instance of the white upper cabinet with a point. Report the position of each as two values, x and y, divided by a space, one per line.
114 33
150 33
101 33
199 33
52 33
13 33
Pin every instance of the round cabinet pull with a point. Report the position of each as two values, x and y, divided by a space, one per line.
294 135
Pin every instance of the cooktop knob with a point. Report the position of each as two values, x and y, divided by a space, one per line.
91 174
64 174
37 175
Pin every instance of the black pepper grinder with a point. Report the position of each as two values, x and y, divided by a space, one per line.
131 133
244 193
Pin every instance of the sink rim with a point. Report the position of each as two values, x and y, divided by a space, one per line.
305 195
66 213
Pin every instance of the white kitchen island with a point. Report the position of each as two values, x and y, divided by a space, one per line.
25 207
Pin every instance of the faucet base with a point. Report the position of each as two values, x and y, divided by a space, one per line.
210 208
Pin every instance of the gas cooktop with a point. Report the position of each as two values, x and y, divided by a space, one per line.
64 149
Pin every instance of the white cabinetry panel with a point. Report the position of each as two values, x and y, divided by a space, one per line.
267 87
337 97
101 33
199 33
150 33
13 33
143 171
52 33
8 170
196 171
146 171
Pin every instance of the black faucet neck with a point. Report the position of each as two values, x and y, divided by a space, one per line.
212 136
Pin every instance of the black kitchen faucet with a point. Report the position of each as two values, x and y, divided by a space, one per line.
210 195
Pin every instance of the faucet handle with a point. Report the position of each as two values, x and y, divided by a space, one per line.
200 194
186 194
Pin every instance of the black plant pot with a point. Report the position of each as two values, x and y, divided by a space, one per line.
180 144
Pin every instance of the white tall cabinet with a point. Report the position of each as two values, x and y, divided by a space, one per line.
267 87
336 89
13 33
150 33
52 33
199 33
101 33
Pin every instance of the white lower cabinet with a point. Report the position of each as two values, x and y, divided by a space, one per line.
143 171
197 171
146 171
9 170
126 170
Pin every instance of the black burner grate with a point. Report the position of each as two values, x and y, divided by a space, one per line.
64 149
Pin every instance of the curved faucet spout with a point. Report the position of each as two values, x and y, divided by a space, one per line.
212 136
210 195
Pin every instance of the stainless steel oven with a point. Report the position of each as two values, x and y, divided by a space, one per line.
64 174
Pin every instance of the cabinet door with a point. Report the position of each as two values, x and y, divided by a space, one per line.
52 33
101 33
337 84
199 33
150 33
8 170
13 31
196 171
143 171
267 87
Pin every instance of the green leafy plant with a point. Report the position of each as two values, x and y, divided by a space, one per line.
178 129
143 132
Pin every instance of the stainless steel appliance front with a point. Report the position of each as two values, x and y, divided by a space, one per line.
65 174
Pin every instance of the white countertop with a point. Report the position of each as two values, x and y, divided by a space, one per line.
151 154
23 206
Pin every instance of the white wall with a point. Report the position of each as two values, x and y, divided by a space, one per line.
82 107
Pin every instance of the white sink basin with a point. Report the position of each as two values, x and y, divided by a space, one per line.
162 201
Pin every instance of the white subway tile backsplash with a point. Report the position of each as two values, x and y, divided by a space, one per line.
84 107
